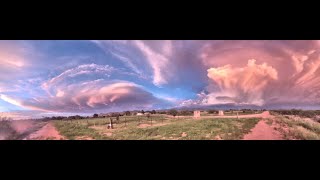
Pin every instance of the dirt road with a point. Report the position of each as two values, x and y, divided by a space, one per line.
46 132
29 130
263 131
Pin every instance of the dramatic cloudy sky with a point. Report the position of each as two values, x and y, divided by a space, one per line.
77 77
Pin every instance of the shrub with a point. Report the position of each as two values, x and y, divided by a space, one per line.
127 113
186 113
173 112
212 111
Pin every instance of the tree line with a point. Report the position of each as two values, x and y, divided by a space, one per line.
298 112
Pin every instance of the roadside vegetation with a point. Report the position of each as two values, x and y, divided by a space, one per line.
6 131
156 127
297 127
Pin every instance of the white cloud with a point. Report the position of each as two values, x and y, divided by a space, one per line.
118 49
158 62
158 59
10 100
79 70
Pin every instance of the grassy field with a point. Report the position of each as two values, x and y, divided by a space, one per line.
298 128
157 127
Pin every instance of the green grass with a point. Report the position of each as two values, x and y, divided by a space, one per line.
199 129
73 130
163 128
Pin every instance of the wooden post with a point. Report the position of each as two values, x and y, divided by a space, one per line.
118 118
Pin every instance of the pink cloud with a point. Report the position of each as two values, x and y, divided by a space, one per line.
241 85
93 96
283 72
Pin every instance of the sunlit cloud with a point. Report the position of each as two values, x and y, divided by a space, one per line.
92 96
283 72
117 75
241 85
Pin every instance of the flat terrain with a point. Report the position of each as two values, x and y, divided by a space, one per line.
162 127
46 132
261 126
263 131
21 129
158 129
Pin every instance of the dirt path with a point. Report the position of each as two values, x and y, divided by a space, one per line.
46 132
144 125
262 131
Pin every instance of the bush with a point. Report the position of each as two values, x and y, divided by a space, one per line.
186 113
173 112
212 111
6 130
127 113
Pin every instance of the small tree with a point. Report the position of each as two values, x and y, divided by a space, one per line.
173 112
186 113
95 116
142 111
211 111
153 112
127 113
148 115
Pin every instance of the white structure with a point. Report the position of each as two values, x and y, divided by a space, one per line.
221 113
196 114
139 114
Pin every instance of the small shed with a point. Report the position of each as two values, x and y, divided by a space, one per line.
196 114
